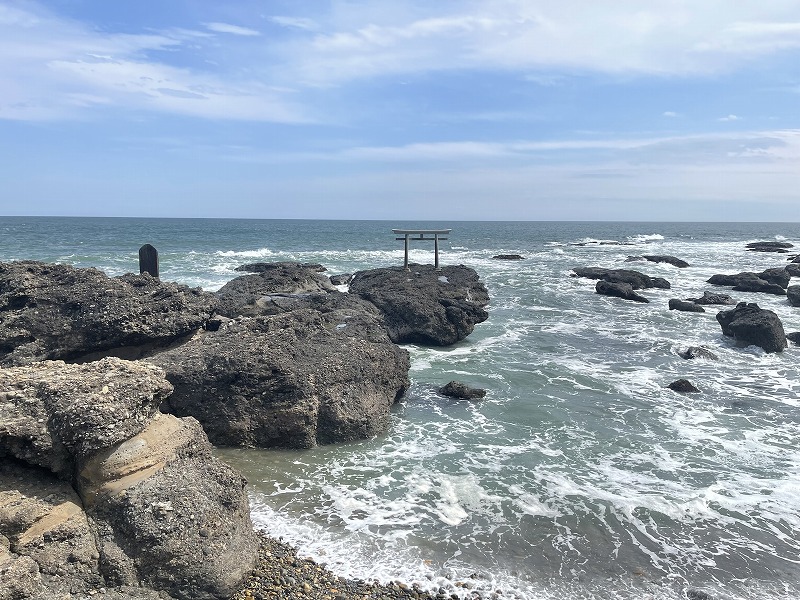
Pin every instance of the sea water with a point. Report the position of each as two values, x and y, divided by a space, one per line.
580 475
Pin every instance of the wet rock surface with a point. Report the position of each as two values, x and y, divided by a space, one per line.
295 380
635 279
58 312
770 281
713 298
685 306
684 386
693 352
663 258
793 294
750 324
619 290
780 247
424 305
457 389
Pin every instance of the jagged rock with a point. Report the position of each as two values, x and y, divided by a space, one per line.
779 276
51 311
793 294
140 500
713 298
769 246
635 279
618 290
342 279
508 257
686 306
697 352
662 258
285 267
293 380
456 389
683 386
749 324
251 295
748 282
425 305
794 337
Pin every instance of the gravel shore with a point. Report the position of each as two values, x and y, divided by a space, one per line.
280 573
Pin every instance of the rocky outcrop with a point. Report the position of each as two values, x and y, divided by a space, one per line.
663 258
713 298
794 337
292 380
457 389
749 324
693 352
683 305
51 311
769 246
618 290
253 294
792 269
135 502
508 257
424 305
635 279
341 279
752 282
793 294
684 386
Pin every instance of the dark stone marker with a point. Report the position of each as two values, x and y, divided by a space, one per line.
148 260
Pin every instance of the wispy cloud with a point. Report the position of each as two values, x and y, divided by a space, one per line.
295 22
232 29
730 118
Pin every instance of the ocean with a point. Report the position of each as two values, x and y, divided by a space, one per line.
580 475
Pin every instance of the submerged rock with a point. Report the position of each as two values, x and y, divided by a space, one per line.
749 324
713 298
663 258
635 279
794 337
135 500
683 305
424 305
59 312
508 257
292 380
683 386
769 246
456 389
618 290
697 352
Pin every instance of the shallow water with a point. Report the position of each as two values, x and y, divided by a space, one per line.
580 475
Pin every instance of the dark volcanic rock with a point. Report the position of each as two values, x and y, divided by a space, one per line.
140 504
292 380
50 311
672 260
342 279
793 293
793 269
424 305
697 352
748 282
508 257
286 266
248 295
794 337
769 246
713 298
635 279
779 276
683 386
456 389
618 290
683 305
749 324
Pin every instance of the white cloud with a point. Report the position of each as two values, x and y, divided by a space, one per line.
669 114
232 29
730 118
295 22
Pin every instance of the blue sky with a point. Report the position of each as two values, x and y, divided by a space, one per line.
490 109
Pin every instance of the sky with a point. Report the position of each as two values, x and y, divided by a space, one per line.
637 110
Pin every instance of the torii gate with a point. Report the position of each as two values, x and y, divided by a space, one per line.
421 233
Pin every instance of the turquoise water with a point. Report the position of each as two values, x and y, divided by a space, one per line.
580 475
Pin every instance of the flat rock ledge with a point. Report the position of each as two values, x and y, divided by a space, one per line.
99 490
424 305
59 312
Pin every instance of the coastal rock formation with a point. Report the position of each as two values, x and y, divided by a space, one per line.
457 389
635 279
134 498
424 305
752 282
793 294
292 380
713 298
253 294
341 279
663 258
684 386
697 352
508 257
618 290
749 324
51 311
769 246
793 269
794 337
686 306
